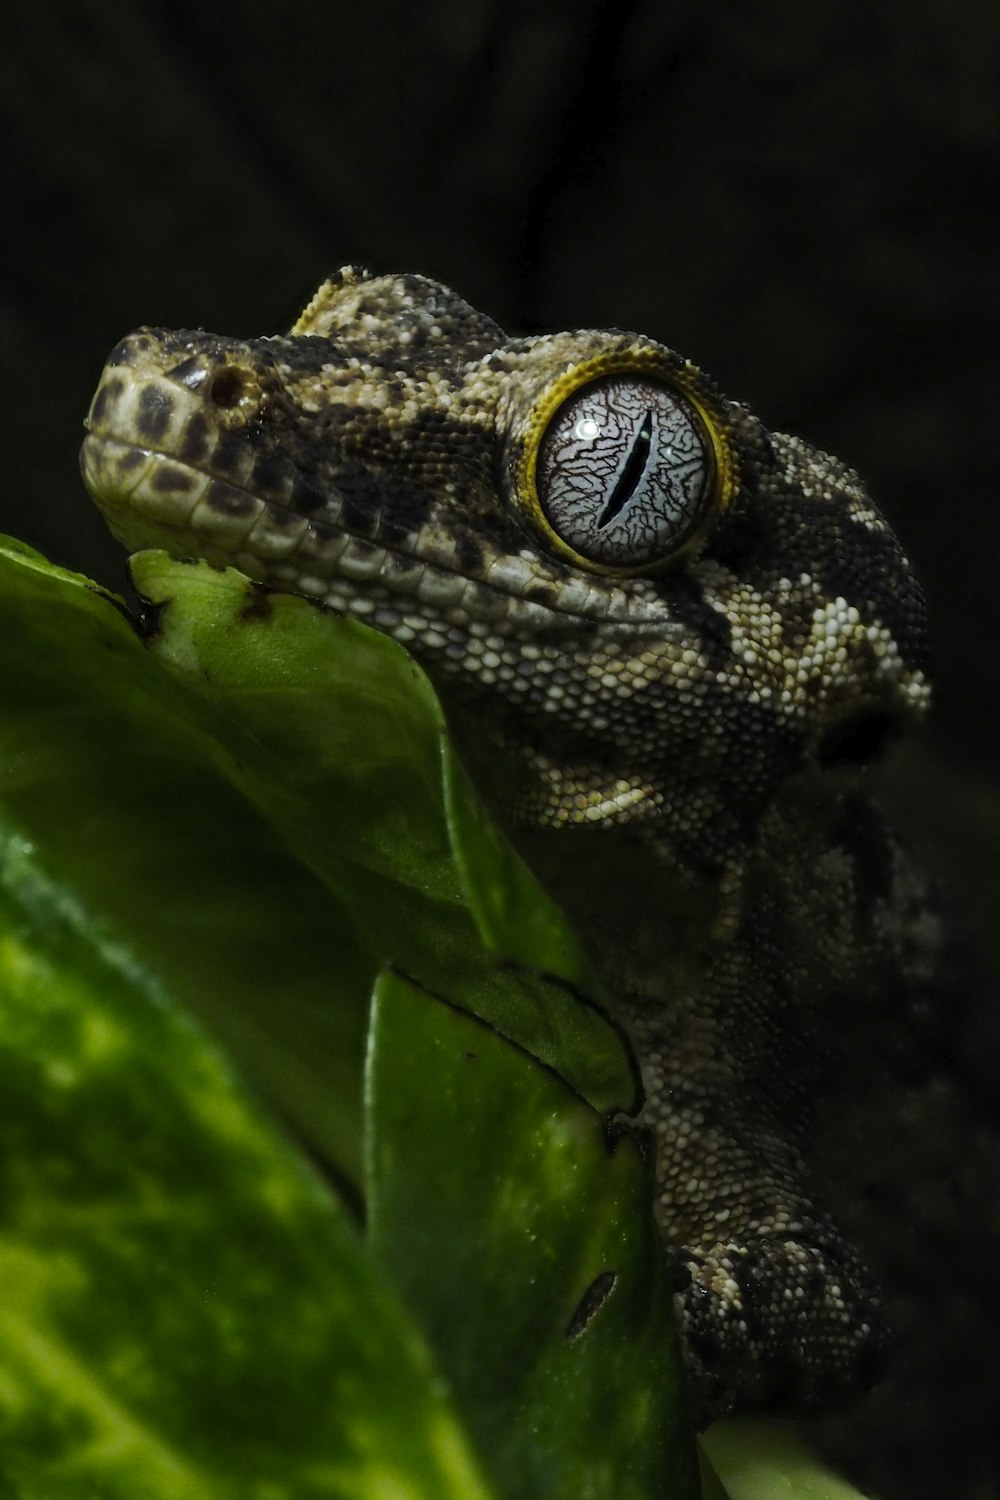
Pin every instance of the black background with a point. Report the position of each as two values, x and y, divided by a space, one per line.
801 197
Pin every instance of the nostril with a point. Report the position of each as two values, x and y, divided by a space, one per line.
228 387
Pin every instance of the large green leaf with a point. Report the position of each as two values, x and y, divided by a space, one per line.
251 819
341 745
519 1230
184 1313
264 807
111 768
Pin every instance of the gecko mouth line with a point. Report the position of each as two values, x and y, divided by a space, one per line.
153 497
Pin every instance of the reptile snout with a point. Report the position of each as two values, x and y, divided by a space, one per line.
154 377
175 438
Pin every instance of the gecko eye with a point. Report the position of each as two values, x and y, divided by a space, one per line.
625 472
625 460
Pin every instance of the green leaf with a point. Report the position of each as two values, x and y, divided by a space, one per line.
185 1314
545 965
111 767
264 807
250 821
341 745
519 1231
761 1460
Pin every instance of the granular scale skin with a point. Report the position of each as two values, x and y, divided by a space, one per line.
677 637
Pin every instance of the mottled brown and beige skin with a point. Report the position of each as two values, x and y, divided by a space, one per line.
684 742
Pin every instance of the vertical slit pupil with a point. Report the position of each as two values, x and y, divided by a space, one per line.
628 479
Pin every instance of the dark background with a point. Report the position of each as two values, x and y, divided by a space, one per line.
801 197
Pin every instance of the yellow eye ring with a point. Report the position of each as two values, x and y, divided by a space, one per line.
625 462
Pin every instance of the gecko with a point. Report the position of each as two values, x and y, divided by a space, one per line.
681 638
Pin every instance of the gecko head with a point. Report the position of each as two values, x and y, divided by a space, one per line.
574 532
